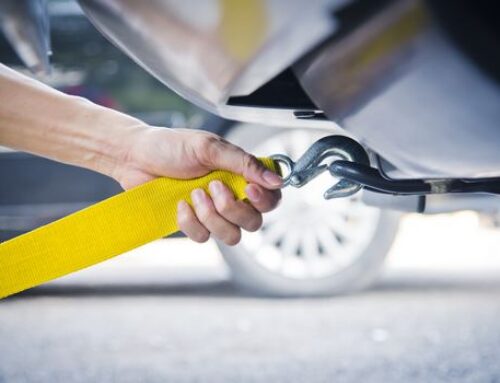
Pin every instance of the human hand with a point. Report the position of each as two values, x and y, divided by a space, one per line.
184 153
76 131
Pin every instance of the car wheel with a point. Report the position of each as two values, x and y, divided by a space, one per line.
308 246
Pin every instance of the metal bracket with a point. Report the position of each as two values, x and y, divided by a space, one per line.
351 165
371 179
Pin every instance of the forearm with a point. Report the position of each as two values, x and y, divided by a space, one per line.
38 119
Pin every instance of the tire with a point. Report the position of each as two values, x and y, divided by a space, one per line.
367 233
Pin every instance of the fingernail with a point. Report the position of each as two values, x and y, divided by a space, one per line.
253 193
215 187
197 195
272 178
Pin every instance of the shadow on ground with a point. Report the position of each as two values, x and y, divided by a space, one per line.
389 284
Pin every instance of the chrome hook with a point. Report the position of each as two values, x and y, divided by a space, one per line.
311 164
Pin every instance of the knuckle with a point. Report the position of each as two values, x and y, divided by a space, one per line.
255 223
225 206
204 213
249 161
233 237
183 218
201 237
208 148
269 202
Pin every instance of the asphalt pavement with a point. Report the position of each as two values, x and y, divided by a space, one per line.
168 313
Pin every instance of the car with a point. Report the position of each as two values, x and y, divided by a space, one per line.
408 92
38 191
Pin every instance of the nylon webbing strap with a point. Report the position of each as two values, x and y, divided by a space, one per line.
102 231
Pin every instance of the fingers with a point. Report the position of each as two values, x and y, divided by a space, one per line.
262 199
221 215
189 223
210 218
239 213
220 154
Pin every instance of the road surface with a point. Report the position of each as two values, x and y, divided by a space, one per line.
167 313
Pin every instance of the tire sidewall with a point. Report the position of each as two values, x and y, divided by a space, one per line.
252 276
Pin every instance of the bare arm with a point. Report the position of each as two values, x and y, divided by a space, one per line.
38 119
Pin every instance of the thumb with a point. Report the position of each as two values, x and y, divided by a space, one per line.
231 157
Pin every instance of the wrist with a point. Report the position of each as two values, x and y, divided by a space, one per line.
111 134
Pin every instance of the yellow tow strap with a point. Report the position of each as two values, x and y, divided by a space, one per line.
102 231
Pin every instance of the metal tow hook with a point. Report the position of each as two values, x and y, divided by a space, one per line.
314 162
351 165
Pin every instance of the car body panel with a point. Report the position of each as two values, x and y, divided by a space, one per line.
210 50
387 72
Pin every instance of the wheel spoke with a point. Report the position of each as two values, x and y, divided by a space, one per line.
328 240
340 227
310 251
274 232
309 245
290 243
